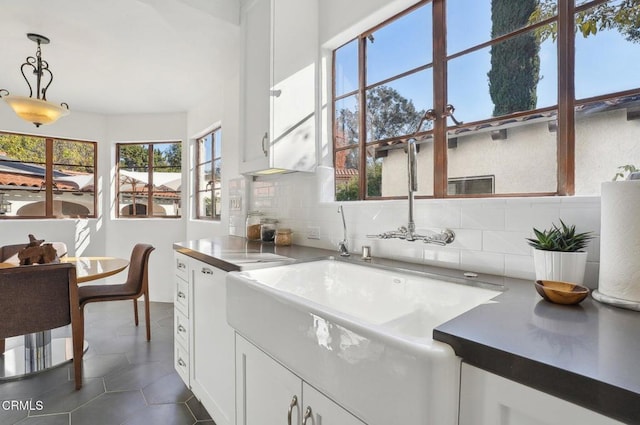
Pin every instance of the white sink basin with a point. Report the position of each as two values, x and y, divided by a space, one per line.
254 260
360 334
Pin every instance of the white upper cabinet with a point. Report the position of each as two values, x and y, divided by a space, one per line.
279 86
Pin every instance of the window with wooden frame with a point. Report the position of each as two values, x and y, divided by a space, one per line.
542 95
46 177
208 175
149 179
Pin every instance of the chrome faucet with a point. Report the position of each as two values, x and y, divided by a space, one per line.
343 245
409 232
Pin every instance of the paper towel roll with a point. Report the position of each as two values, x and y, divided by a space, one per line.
620 240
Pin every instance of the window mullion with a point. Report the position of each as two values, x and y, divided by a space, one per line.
440 99
150 183
362 117
48 178
566 98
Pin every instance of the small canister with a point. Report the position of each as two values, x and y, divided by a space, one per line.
268 229
283 237
253 225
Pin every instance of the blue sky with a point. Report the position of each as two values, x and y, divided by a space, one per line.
405 45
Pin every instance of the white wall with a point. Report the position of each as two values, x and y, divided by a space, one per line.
218 109
340 21
123 234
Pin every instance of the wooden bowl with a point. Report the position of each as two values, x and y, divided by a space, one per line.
561 292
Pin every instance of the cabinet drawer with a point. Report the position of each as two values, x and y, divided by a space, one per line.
181 363
181 329
181 297
181 266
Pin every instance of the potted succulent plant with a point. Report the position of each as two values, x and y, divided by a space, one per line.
559 253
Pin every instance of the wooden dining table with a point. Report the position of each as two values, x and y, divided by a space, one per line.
94 268
40 351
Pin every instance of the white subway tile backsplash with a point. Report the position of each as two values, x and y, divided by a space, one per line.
591 275
482 217
482 262
525 218
490 233
444 257
520 266
585 218
470 239
506 242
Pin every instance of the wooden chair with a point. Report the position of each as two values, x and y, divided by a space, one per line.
136 285
38 298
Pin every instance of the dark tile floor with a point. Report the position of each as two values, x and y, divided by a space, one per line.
127 380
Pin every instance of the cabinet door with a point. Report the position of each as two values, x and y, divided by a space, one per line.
256 82
488 399
321 410
212 363
265 390
293 93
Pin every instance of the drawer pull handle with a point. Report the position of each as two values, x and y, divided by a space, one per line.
181 328
265 139
181 265
182 295
307 415
181 363
294 403
206 271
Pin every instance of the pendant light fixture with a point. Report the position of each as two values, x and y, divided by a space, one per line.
38 109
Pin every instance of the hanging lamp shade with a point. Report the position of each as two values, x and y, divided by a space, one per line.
36 110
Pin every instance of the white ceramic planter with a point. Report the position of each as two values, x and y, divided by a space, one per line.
562 266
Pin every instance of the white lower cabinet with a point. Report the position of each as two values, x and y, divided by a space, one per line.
267 393
181 310
488 399
212 348
203 341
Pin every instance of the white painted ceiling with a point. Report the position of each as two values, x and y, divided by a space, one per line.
122 56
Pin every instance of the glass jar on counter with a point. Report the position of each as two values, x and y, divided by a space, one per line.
253 226
283 237
268 229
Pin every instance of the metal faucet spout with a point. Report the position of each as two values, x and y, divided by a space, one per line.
408 233
343 245
412 177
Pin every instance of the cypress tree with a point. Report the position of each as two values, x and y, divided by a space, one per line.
515 63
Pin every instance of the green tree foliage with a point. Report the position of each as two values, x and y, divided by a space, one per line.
67 155
23 148
73 153
349 190
173 156
515 63
134 157
167 157
621 15
389 114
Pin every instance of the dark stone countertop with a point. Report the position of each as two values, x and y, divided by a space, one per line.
220 251
587 354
